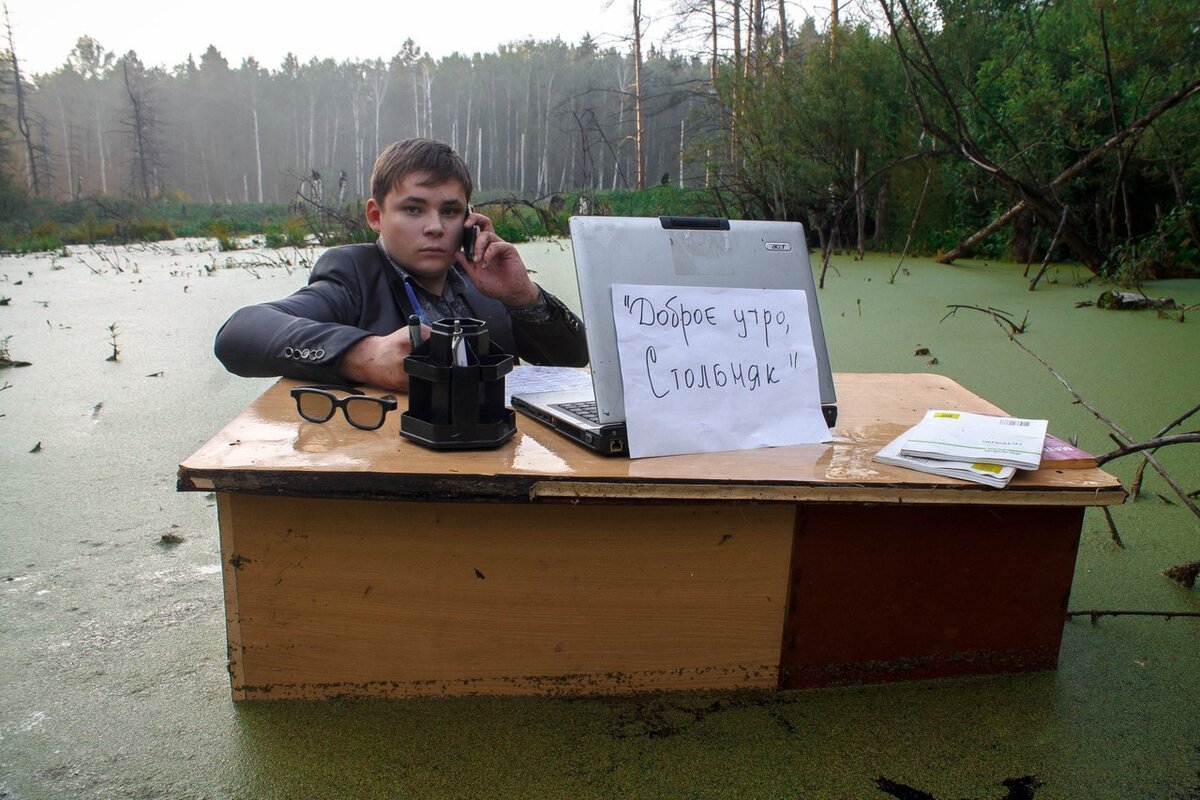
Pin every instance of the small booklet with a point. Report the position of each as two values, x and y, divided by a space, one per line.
964 436
1058 454
992 475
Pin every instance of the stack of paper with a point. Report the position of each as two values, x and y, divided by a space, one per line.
963 436
990 474
974 447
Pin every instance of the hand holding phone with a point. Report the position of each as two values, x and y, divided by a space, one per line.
468 239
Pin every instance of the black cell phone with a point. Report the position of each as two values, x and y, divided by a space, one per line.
468 241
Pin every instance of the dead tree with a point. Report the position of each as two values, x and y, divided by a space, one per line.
140 124
22 116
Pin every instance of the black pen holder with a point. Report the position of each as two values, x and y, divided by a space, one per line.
456 389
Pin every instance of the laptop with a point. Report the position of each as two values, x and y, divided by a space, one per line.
666 251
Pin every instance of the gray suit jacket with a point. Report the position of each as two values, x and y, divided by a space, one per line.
353 293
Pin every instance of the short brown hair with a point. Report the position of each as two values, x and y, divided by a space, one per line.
401 159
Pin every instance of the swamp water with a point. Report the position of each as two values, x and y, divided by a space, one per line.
112 640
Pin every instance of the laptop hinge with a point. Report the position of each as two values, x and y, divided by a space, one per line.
694 223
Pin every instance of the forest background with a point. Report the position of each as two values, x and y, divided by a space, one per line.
1004 128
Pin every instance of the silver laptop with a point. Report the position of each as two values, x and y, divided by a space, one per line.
667 251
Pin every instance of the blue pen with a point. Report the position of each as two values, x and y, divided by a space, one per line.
416 304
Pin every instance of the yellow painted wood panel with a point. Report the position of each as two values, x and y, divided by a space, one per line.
395 599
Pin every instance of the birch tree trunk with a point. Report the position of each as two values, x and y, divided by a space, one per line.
337 128
257 153
860 203
682 123
783 33
735 94
546 135
416 104
712 65
833 28
312 124
62 115
356 117
428 100
638 133
379 89
620 133
470 102
100 150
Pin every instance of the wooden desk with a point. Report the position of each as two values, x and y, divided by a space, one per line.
357 563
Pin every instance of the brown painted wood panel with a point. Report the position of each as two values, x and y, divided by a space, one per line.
884 593
381 598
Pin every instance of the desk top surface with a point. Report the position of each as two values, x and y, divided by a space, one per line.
268 449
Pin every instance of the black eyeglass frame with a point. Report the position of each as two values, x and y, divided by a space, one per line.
388 402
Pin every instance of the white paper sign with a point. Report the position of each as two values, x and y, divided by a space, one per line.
711 369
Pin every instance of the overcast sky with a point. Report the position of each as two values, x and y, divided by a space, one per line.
164 32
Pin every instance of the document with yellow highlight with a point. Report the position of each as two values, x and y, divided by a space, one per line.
964 436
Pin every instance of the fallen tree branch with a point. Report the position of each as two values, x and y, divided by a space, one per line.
1149 444
1095 614
913 226
995 313
1128 439
1112 527
1184 574
1135 487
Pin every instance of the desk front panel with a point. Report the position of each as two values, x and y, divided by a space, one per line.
335 597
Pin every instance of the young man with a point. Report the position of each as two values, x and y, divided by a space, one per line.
349 324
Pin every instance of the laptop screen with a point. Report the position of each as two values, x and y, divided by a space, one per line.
667 251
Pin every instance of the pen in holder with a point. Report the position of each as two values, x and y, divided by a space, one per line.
456 389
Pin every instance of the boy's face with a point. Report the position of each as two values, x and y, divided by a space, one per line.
421 226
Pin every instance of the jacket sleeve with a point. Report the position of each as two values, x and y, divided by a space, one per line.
302 336
560 341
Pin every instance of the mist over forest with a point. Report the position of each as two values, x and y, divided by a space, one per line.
995 127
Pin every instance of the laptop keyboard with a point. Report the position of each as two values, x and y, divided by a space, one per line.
585 408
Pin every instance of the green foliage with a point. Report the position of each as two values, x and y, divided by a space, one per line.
661 200
144 229
1039 85
520 221
292 233
1034 85
791 131
514 220
47 225
224 232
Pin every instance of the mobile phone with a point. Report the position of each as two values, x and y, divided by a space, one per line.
468 240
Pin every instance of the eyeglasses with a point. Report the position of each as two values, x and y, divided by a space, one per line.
319 404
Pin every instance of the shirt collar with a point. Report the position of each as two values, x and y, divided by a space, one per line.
454 281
